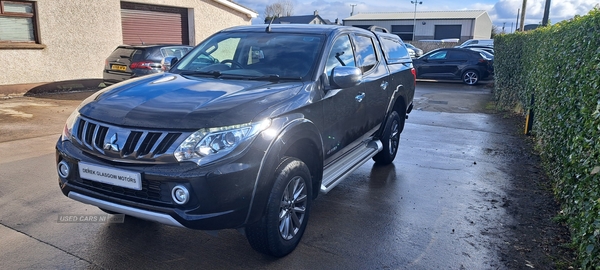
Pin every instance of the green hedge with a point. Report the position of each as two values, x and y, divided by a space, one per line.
560 65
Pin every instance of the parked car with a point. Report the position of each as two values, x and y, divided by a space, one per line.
418 52
411 52
470 66
244 131
481 42
481 48
127 62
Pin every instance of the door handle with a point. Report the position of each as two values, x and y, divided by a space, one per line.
360 97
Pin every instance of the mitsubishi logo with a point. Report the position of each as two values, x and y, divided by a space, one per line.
112 144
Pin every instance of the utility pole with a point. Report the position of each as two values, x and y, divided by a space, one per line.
517 25
352 12
522 27
415 18
546 13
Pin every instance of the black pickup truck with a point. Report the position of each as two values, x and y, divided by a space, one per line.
243 132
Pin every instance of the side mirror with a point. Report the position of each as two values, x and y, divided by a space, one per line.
345 77
168 62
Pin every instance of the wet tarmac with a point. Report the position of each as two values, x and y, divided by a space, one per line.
439 206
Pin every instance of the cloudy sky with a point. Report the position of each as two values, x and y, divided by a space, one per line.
502 12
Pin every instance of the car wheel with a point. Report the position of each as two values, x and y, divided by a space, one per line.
280 229
390 139
470 77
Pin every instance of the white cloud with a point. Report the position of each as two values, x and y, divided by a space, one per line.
506 10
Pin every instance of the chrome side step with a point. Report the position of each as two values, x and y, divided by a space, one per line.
338 170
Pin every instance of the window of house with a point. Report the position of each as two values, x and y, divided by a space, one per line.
17 22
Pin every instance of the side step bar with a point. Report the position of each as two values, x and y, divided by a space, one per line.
334 173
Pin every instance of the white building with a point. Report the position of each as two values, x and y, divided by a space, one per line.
47 41
427 25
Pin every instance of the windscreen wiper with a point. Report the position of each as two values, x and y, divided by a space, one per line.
274 78
213 73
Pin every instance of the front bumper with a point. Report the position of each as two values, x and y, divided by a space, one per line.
127 210
220 194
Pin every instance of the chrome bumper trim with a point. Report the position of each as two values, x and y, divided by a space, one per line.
130 211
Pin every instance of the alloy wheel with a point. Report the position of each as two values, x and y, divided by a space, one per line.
292 208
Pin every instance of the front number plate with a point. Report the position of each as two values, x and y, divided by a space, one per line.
112 176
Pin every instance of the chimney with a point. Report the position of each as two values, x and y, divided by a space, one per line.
316 12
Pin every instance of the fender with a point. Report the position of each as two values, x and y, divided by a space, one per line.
393 99
297 130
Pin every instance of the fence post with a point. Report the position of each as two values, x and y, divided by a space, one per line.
529 117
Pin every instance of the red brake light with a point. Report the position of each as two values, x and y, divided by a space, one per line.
414 73
141 65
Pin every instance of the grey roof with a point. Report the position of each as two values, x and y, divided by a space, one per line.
304 19
421 15
295 19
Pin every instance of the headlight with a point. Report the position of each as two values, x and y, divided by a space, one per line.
212 143
68 129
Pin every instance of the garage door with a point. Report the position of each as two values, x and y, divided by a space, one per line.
447 31
149 24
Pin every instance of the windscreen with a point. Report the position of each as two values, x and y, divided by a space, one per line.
245 54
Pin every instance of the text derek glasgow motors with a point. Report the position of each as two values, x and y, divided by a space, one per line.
117 218
109 175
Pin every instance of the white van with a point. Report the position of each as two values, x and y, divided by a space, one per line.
480 42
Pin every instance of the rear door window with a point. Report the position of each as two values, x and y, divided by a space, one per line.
394 50
365 53
457 55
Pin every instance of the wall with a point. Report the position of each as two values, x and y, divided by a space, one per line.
483 27
79 35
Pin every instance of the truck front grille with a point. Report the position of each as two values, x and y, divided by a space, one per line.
118 143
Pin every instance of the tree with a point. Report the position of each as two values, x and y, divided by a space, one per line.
282 8
495 31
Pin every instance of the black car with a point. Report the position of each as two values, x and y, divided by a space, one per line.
243 132
127 62
467 65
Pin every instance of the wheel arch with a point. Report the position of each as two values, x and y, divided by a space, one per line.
299 139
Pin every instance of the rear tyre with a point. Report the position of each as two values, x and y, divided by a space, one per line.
390 139
470 77
280 229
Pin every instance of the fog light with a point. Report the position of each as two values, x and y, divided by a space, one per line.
63 169
180 194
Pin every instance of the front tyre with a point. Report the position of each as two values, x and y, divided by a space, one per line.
280 229
470 77
390 139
